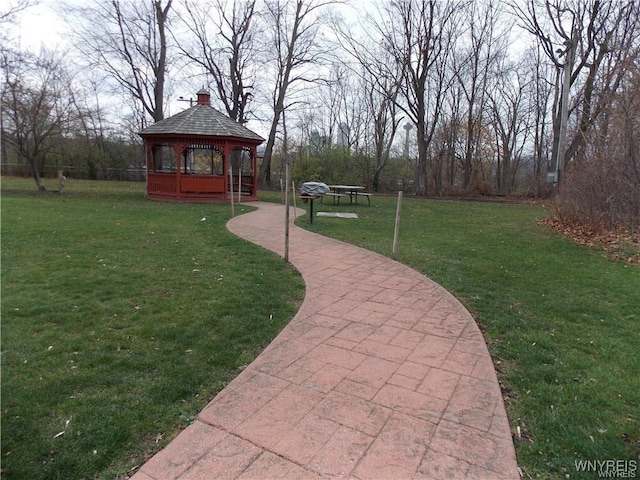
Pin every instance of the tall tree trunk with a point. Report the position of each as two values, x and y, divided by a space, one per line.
161 67
38 179
422 173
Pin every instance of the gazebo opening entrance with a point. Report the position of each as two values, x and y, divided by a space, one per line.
242 170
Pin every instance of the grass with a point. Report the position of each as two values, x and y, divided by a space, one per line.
121 319
561 320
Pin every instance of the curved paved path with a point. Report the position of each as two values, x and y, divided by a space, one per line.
382 374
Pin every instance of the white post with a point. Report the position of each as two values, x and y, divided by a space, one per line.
397 226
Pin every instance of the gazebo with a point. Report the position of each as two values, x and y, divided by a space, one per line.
201 155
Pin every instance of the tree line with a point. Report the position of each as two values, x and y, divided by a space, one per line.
439 97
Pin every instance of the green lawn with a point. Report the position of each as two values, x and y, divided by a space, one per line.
562 321
121 319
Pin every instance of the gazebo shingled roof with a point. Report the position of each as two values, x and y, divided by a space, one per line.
200 125
202 120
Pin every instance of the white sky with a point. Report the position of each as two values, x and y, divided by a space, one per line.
40 25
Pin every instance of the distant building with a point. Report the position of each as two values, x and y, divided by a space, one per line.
318 142
343 135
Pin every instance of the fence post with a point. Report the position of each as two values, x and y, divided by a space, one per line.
397 227
286 219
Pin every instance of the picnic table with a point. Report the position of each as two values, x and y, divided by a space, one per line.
353 191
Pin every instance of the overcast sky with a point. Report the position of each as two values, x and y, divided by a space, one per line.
42 25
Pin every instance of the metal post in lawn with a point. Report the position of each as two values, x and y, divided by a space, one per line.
564 109
397 226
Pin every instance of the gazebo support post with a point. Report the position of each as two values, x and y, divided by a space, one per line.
226 167
177 150
254 169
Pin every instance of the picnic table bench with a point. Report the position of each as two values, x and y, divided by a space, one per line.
353 191
335 196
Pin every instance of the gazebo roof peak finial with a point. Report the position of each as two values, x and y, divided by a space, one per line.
203 97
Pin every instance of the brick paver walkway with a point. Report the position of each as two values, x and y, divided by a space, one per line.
382 374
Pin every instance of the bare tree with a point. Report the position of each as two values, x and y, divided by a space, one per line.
11 9
605 71
379 88
36 108
292 27
580 37
510 122
223 44
91 133
540 99
419 37
353 113
603 190
447 147
483 48
340 112
127 41
381 102
327 99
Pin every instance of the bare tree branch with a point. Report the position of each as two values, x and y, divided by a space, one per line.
294 27
223 44
127 41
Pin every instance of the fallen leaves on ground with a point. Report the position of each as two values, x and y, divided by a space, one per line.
620 245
